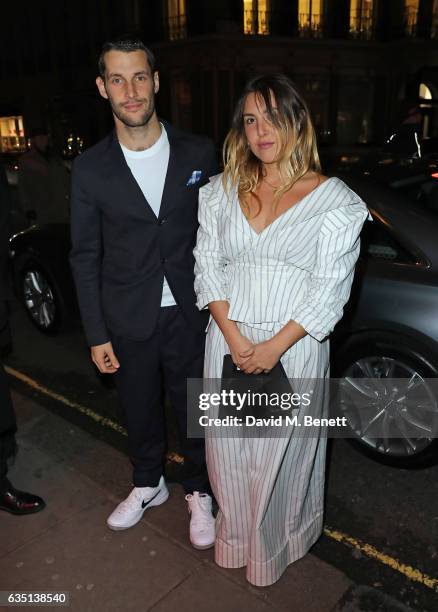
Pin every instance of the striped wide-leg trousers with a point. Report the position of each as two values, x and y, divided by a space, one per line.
269 490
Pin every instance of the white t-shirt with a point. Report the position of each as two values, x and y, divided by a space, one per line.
149 168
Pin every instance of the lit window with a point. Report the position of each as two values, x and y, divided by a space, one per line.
176 19
361 18
248 17
310 17
424 92
256 16
411 16
12 134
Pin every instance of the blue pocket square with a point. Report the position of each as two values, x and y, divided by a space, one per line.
196 176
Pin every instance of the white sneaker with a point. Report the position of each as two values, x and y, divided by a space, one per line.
129 511
202 531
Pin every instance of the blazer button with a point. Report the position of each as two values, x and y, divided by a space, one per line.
162 221
163 260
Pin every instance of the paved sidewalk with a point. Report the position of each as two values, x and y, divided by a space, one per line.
152 566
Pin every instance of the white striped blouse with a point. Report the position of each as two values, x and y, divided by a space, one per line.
299 267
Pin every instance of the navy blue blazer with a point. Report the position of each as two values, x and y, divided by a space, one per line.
121 250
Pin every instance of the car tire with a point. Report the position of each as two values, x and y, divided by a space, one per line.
364 354
40 296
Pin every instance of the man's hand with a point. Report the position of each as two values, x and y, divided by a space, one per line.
261 357
104 359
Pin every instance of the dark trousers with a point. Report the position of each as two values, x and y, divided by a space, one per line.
171 355
7 429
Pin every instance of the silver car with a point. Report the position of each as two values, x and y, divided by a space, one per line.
390 327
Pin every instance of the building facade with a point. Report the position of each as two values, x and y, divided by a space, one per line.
362 65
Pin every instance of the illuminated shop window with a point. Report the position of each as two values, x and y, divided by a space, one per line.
12 134
411 17
361 18
310 18
256 16
176 19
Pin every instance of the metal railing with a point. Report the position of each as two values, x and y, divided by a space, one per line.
310 25
257 22
177 27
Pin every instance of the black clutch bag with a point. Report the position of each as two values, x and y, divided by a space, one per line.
258 395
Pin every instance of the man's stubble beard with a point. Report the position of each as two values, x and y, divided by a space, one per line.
143 120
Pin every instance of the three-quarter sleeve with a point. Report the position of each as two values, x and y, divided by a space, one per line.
210 261
329 285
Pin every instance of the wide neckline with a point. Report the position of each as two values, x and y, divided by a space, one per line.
283 214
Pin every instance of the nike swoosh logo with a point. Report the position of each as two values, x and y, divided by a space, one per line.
146 504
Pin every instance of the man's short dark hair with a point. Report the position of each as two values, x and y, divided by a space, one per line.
127 45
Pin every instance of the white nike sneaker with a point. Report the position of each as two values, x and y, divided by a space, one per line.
202 531
129 511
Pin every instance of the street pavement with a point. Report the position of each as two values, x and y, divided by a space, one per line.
67 546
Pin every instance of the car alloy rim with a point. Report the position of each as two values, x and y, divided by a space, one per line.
381 398
39 298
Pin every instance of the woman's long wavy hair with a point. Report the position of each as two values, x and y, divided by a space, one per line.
298 152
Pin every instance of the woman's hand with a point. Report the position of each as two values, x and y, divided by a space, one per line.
236 341
239 345
262 357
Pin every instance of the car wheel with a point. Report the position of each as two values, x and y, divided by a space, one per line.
378 405
41 297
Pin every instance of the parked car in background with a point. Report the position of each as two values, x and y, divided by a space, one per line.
42 277
390 326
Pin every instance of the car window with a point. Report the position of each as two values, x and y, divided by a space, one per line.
377 242
426 194
421 189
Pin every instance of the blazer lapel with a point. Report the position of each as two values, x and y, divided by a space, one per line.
120 176
178 173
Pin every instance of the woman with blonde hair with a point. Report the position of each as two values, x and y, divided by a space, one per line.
275 256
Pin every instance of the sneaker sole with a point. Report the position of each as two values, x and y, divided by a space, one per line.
160 499
204 547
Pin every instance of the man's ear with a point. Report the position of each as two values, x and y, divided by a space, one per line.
156 82
101 87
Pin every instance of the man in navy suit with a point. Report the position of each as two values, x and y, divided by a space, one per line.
134 224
